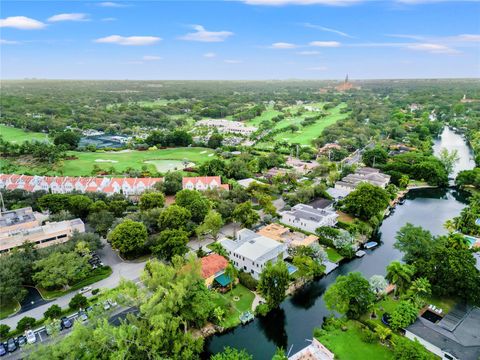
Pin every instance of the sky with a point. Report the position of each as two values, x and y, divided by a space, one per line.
244 39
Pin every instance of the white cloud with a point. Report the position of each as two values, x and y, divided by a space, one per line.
432 48
302 2
209 55
233 61
466 38
323 28
112 4
151 58
109 19
283 45
68 17
129 40
203 35
416 2
8 42
318 68
133 62
308 52
22 23
325 43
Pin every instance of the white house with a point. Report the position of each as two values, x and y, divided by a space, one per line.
315 351
202 183
308 218
250 252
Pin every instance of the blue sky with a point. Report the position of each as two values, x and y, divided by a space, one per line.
249 39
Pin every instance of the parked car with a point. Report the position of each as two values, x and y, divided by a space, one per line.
112 303
11 345
66 323
89 309
31 337
82 315
21 340
85 289
106 305
3 351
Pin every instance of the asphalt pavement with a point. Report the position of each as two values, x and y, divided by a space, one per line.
120 270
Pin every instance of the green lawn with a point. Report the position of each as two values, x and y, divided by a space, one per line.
266 115
348 345
333 255
83 162
134 159
306 134
235 308
8 308
444 303
15 135
97 275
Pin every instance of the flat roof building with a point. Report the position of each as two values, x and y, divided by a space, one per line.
308 218
250 251
42 236
23 218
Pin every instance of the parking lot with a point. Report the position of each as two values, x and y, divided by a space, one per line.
116 313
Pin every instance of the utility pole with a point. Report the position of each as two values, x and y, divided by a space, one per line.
2 204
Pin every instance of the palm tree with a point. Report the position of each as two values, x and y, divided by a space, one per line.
231 272
400 275
458 242
420 289
449 225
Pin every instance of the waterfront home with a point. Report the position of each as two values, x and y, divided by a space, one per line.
455 337
287 236
250 252
315 351
351 181
213 269
308 218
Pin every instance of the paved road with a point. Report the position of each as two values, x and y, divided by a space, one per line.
115 314
120 269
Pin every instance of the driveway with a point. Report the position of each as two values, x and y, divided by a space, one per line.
120 269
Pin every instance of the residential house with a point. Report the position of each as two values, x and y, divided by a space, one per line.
455 337
213 267
287 236
308 218
250 252
315 351
202 183
351 181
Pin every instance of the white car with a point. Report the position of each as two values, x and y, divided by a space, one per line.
106 305
85 289
31 337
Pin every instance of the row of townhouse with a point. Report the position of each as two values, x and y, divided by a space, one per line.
126 186
66 184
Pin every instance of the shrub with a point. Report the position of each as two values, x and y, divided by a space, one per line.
78 301
4 330
248 281
368 336
95 291
53 312
25 323
262 309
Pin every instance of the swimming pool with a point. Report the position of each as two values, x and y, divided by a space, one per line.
472 240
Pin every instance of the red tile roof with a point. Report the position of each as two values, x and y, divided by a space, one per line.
212 264
203 179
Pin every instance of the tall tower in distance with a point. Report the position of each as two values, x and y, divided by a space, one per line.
346 85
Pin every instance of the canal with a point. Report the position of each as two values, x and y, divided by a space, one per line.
290 326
